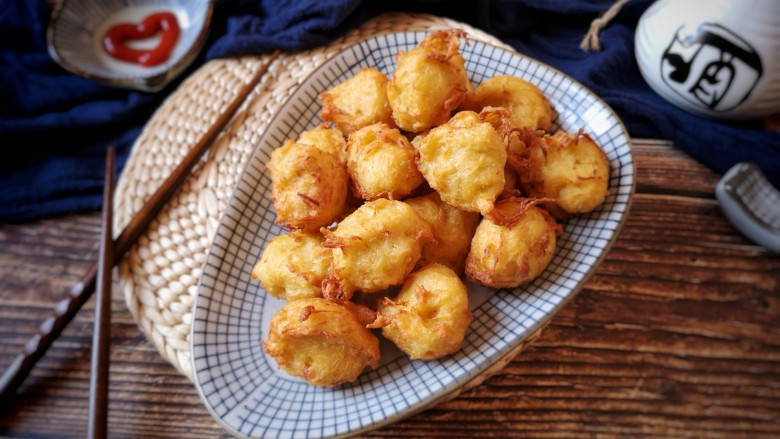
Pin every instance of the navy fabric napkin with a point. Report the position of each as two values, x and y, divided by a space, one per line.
55 126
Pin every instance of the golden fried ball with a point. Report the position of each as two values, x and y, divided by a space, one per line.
381 162
320 341
327 139
357 102
513 245
293 265
514 139
309 186
429 82
452 228
528 106
375 247
429 317
569 168
464 161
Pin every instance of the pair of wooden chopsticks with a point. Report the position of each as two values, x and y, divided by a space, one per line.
66 310
101 336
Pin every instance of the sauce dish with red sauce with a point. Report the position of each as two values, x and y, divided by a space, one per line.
140 46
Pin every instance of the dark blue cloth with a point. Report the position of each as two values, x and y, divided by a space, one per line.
55 126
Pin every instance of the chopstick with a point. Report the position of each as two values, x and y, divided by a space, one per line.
101 336
66 309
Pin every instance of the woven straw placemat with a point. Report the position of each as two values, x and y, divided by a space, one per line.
159 275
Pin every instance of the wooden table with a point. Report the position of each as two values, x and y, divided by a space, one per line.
676 335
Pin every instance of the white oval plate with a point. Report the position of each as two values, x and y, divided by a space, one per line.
244 389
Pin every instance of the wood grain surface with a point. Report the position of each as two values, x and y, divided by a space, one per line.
676 335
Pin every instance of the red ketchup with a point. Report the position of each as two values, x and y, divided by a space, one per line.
116 38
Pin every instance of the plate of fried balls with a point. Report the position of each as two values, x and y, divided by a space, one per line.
420 206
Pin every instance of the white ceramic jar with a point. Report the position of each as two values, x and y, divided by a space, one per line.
717 58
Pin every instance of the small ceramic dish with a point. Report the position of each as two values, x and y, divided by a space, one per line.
244 389
751 204
78 28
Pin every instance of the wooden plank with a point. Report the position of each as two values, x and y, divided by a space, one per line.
662 168
677 334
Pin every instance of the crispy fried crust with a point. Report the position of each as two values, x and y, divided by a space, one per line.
429 317
375 247
513 246
463 160
329 140
429 82
309 186
293 265
382 163
487 184
527 104
358 102
452 228
321 341
569 168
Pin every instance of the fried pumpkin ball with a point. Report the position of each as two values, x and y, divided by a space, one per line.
452 228
381 162
513 245
293 266
357 102
464 161
309 186
429 82
430 316
321 341
375 247
514 139
528 106
327 139
569 168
